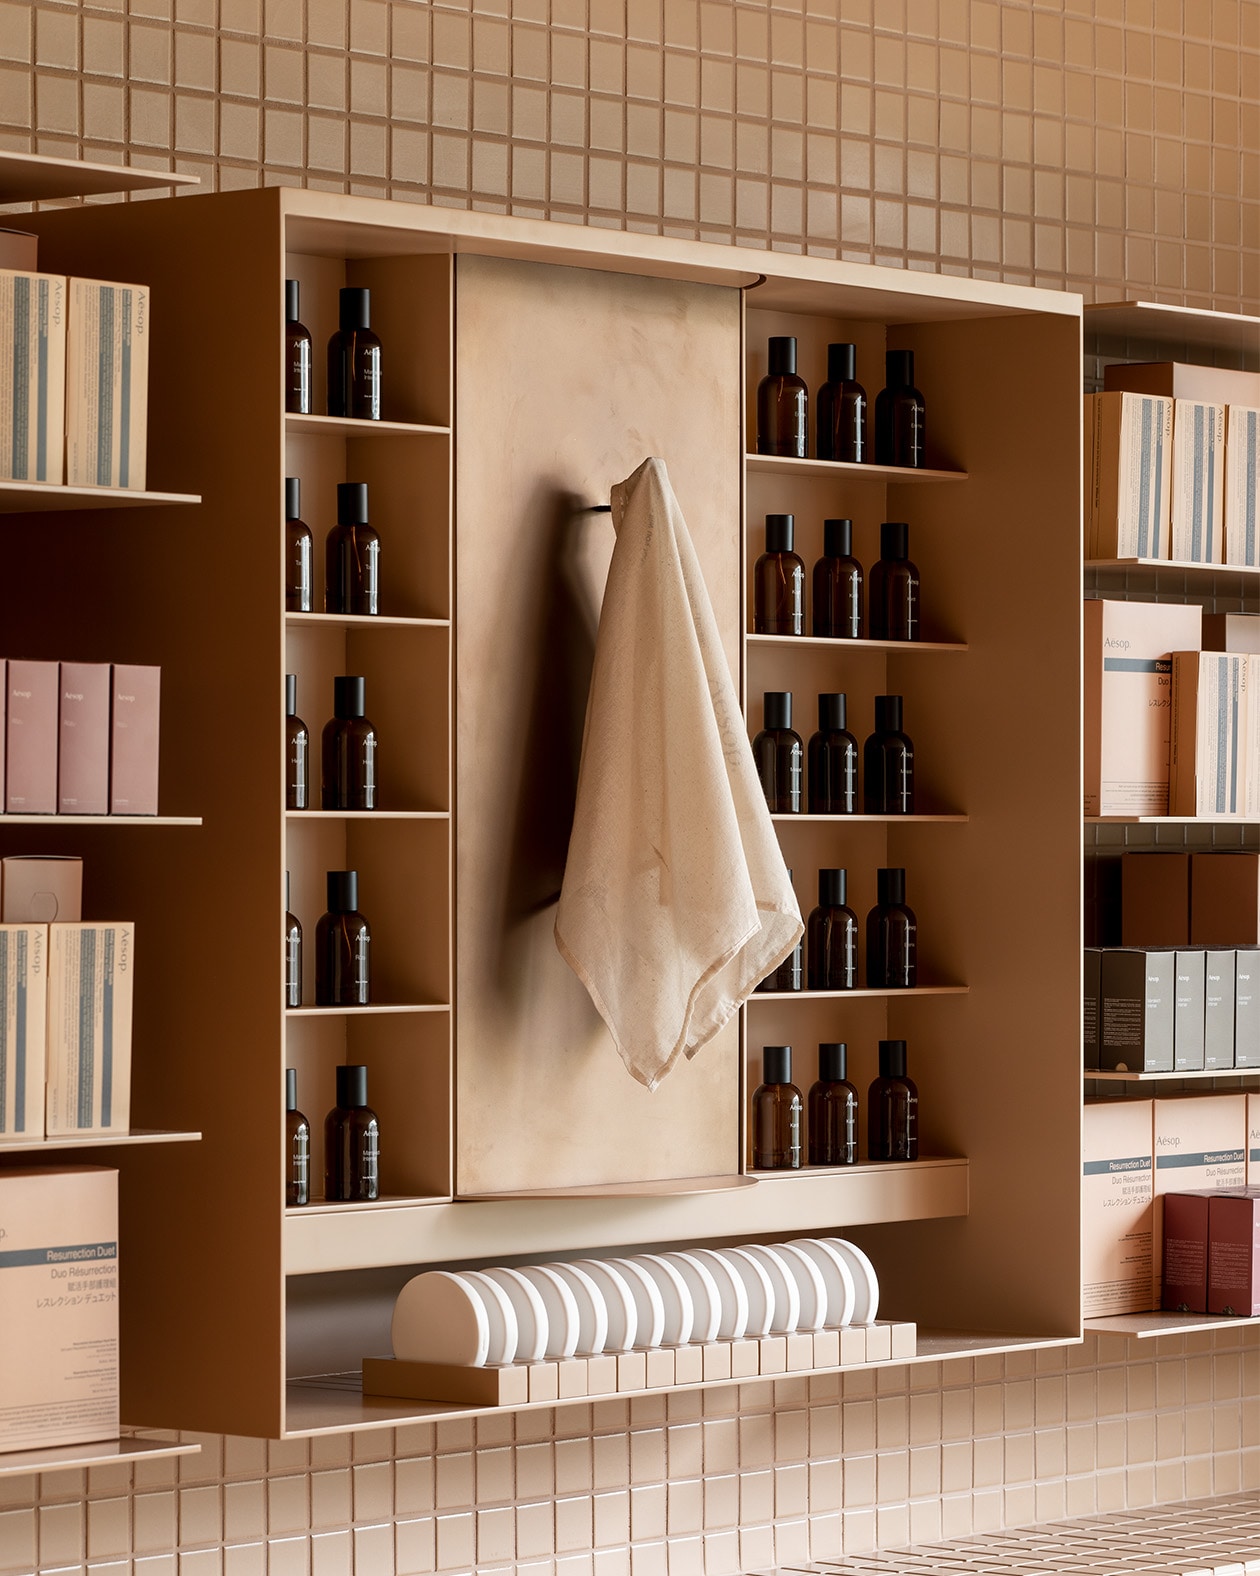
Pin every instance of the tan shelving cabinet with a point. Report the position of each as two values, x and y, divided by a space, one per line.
527 368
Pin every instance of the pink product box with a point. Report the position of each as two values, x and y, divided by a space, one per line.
83 760
31 727
133 777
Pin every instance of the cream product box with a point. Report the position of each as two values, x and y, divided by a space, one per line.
1130 445
1198 482
90 970
1253 1140
1225 898
1247 1007
38 888
30 773
1091 986
1135 1020
1155 898
32 376
1218 1009
1199 1143
1232 632
1188 1026
23 1013
1242 484
1208 737
107 384
1116 1207
1183 380
1128 701
58 1306
134 736
19 251
83 752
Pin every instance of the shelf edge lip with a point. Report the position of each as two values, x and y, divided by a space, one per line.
367 815
1170 820
1110 1075
857 470
352 426
841 995
125 1449
379 1007
364 621
100 820
73 497
947 817
820 1175
1149 1326
1181 565
114 177
667 1188
56 1141
840 643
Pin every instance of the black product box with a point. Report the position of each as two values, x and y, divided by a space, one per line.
1136 995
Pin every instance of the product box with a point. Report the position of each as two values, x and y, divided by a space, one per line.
1242 484
1198 482
1135 1017
1253 1140
1128 701
1183 380
1116 1207
23 1013
1234 1254
32 376
1199 1145
1129 445
38 888
19 251
107 383
134 735
1091 985
1188 1010
90 970
58 1306
1155 898
1184 1279
1208 737
1225 898
1246 1007
31 739
1232 632
83 754
1218 1009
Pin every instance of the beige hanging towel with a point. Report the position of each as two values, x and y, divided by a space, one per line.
676 902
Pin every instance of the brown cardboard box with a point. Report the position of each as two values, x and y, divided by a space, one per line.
1225 898
1128 448
39 888
1185 1273
1234 1254
1231 632
1183 380
19 251
23 1015
58 1306
31 752
1242 485
1116 1207
107 384
32 376
83 756
1155 898
134 740
90 970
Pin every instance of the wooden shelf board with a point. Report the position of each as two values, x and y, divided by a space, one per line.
139 1135
1109 1076
378 1007
367 815
1175 325
945 818
100 820
1147 1326
777 465
101 1453
35 177
355 427
1168 820
818 1176
842 995
362 621
320 1206
40 497
832 643
672 1188
1179 565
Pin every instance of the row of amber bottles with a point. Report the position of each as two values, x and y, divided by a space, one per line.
352 554
893 593
354 358
832 782
347 755
831 939
783 409
778 1112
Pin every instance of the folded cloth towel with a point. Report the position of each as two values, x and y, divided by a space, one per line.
676 902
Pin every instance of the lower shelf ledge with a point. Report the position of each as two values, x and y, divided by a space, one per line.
1149 1326
100 1453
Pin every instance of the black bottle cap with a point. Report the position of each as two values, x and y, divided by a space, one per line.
290 1088
777 708
888 714
894 540
352 503
782 356
838 538
779 532
833 1061
291 297
899 368
776 1064
890 886
351 1086
892 1058
349 698
292 498
354 308
832 886
290 694
832 710
343 891
841 363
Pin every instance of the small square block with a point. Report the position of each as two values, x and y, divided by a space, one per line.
544 1381
745 1359
717 1359
905 1339
688 1364
773 1354
601 1374
853 1344
878 1343
826 1348
572 1378
631 1371
800 1352
660 1367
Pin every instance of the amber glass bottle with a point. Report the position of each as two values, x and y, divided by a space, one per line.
892 1108
833 1110
899 414
348 776
831 935
783 404
888 762
778 754
891 935
894 588
840 414
776 1113
352 555
297 355
779 582
292 950
352 1142
297 794
838 585
833 760
297 1189
342 941
298 565
354 360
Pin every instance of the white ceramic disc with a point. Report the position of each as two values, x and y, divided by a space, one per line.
706 1299
865 1281
619 1304
503 1332
591 1307
680 1313
562 1311
732 1293
809 1284
757 1287
786 1303
440 1318
647 1302
531 1314
834 1269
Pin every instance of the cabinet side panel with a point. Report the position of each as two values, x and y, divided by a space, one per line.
566 380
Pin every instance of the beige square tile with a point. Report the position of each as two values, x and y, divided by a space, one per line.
612 1517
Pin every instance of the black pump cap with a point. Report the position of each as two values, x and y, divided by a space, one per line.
290 1088
351 1086
782 356
349 699
292 498
777 708
899 368
892 1058
354 308
290 694
832 886
838 538
894 540
890 886
343 891
776 1064
841 363
291 297
833 1061
832 711
779 532
352 503
888 713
